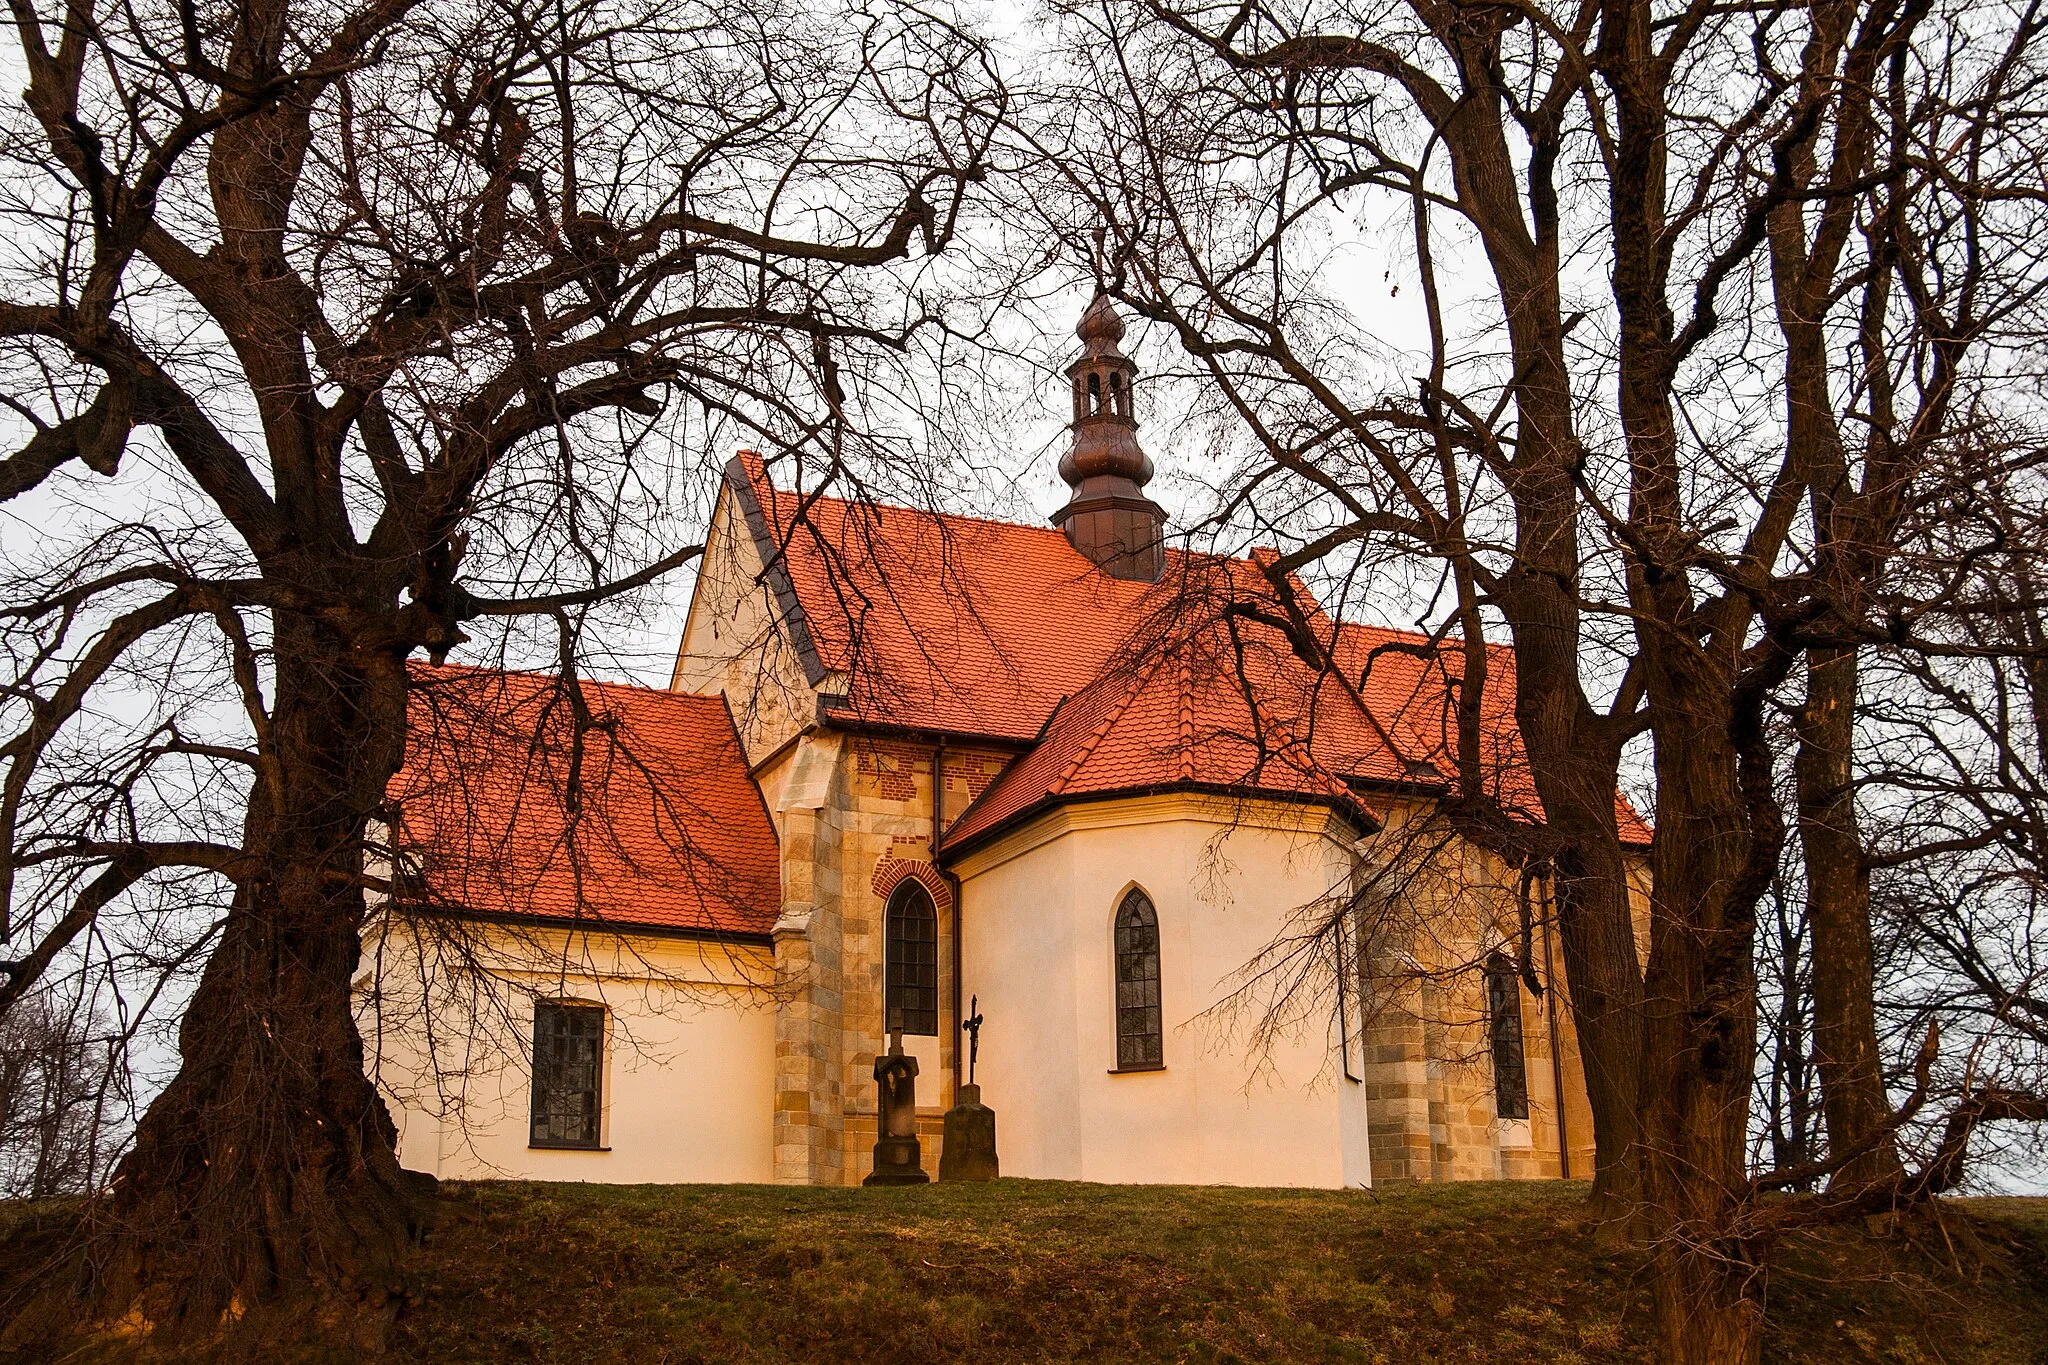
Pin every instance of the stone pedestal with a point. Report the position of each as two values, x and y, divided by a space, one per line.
970 1150
899 1159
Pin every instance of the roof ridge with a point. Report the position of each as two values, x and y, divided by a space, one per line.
535 675
968 517
1187 717
1429 638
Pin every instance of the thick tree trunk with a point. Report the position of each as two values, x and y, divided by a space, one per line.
1576 767
1718 840
1709 1301
1838 909
1606 990
1719 832
1572 755
264 1184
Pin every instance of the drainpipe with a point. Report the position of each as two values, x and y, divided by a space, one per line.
953 888
1564 1146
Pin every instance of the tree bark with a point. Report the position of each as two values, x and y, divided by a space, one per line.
1576 777
1838 909
1573 757
267 1172
1699 1026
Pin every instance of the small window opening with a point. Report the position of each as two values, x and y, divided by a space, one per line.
1095 393
568 1066
911 961
1138 1032
1504 1025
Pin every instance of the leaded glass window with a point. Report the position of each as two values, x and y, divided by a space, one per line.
568 1072
1137 985
1504 1023
911 961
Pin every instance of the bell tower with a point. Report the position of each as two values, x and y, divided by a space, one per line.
1109 518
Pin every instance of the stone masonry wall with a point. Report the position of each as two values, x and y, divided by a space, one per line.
872 831
1429 1073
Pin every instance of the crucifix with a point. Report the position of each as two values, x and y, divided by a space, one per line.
969 1152
973 1027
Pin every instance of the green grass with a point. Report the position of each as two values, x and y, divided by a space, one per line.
1043 1271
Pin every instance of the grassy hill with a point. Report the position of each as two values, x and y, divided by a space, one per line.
1039 1271
1031 1271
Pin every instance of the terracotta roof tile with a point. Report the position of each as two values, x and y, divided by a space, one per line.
1184 718
964 626
670 831
950 623
1407 682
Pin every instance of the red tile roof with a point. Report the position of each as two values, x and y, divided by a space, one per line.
946 623
956 625
1407 681
667 831
1182 719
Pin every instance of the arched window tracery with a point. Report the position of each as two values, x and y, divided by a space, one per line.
1504 1032
1139 1036
910 964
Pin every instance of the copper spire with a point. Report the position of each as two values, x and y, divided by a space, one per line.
1109 519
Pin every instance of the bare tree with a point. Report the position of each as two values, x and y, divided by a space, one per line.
385 325
1950 765
1665 254
63 1084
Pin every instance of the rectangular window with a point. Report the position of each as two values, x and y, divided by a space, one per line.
1504 1018
568 1070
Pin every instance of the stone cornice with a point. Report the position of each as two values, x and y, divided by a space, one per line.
1157 808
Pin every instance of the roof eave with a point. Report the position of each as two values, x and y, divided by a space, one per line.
848 721
595 924
775 566
948 851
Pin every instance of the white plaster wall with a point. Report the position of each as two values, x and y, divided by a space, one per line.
1017 954
1037 948
688 1089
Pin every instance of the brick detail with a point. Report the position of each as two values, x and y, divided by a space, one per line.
892 871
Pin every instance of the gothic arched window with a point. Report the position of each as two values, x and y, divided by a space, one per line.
1137 984
1094 393
911 961
1504 1025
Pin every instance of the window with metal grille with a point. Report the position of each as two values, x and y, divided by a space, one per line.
1137 985
568 1070
911 961
1504 1023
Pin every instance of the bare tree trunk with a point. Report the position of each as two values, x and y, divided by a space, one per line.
268 1170
1791 1090
1838 907
1576 780
1573 755
1852 534
1700 1030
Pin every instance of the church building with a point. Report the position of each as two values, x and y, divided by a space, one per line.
1063 804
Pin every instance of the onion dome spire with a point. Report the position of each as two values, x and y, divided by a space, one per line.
1109 519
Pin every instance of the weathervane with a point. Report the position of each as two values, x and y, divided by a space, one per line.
973 1027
